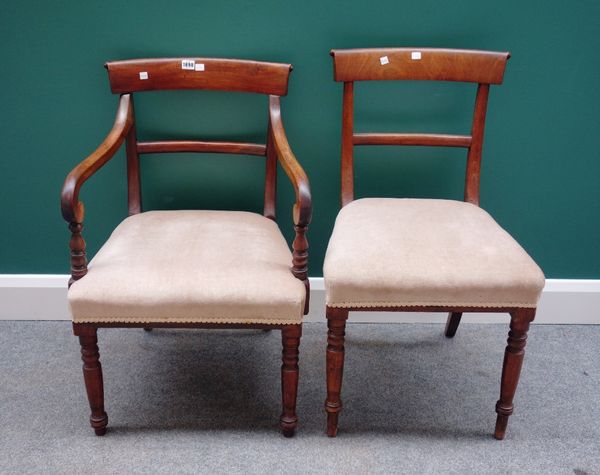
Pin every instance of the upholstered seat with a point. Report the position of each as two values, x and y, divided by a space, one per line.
191 266
387 252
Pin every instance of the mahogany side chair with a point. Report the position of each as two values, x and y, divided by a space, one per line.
191 268
424 255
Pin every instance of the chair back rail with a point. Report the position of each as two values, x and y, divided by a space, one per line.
431 140
418 64
204 73
176 146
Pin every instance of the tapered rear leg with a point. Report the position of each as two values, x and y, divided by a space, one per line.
452 324
511 368
290 336
336 322
92 376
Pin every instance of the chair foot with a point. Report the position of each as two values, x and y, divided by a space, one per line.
92 376
99 424
290 337
511 368
147 329
288 432
332 424
336 323
501 423
452 324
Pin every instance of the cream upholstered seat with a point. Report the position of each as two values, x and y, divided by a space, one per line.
191 266
387 252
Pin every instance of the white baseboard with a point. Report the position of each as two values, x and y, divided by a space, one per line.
564 301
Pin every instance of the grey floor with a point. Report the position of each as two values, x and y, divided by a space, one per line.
208 402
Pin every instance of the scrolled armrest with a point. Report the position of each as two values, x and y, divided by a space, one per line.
303 206
295 172
72 208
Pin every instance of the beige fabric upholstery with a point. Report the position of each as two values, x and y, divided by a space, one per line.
420 252
191 266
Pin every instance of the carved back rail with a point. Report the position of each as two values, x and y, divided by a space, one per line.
128 77
421 64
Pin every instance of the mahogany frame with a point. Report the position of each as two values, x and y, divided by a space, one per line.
481 67
219 74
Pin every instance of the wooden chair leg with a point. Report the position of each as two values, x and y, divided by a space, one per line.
452 324
290 336
511 369
336 322
92 375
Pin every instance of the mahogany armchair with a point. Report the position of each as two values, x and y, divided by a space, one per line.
193 268
424 255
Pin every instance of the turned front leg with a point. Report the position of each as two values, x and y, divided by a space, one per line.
511 369
290 336
336 323
92 375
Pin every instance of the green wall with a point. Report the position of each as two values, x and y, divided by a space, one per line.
541 170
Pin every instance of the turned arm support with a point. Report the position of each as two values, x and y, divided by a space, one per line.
303 207
72 208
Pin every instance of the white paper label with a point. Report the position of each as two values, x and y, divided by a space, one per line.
143 75
415 55
199 67
384 60
187 64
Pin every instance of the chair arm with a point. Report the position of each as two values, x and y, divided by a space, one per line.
303 206
72 208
